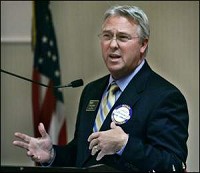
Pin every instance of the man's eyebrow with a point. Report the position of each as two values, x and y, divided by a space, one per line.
110 31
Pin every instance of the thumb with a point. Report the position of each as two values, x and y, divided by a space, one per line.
42 130
112 125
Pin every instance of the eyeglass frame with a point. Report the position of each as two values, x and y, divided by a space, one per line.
110 36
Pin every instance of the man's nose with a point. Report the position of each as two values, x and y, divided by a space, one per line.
113 42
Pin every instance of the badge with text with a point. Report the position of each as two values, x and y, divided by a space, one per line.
121 114
92 105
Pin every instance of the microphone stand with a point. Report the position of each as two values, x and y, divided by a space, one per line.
72 84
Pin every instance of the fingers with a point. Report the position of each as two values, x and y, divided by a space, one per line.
95 149
106 142
29 153
112 125
93 143
25 140
35 158
32 155
100 156
23 137
42 130
93 146
21 144
93 136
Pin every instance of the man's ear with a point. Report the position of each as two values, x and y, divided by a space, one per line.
144 46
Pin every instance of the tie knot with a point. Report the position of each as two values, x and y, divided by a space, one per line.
113 88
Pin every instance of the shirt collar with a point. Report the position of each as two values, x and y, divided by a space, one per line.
123 82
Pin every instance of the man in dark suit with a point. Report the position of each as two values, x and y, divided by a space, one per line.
147 127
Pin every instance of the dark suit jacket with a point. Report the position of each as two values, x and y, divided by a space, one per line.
158 128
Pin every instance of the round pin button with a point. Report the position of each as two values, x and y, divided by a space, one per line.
121 114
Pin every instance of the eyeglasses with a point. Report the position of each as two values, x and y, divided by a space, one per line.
121 37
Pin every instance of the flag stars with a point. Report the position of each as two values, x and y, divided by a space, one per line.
44 39
54 58
51 43
57 73
49 54
40 60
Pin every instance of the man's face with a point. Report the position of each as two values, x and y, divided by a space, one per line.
124 54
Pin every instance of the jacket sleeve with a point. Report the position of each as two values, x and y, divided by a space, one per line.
164 149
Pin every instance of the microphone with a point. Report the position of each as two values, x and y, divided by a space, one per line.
73 84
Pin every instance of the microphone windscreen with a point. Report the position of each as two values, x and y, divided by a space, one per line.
77 83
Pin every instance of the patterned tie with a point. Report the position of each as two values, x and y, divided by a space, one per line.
105 106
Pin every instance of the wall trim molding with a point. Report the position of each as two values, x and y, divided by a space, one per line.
15 40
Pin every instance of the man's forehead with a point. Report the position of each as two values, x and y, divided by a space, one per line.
119 23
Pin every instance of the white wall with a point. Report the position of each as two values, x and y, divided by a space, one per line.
173 52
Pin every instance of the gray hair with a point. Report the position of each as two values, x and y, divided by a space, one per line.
134 13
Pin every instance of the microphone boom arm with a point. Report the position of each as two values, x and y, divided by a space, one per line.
72 84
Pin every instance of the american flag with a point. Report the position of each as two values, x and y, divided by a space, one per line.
48 103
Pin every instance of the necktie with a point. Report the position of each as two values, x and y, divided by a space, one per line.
105 106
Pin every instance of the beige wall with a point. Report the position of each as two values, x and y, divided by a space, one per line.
173 52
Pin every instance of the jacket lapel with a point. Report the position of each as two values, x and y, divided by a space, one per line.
131 94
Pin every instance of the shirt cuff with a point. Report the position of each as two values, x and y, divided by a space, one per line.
48 164
121 151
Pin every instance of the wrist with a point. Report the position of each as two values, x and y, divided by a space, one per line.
52 155
120 151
